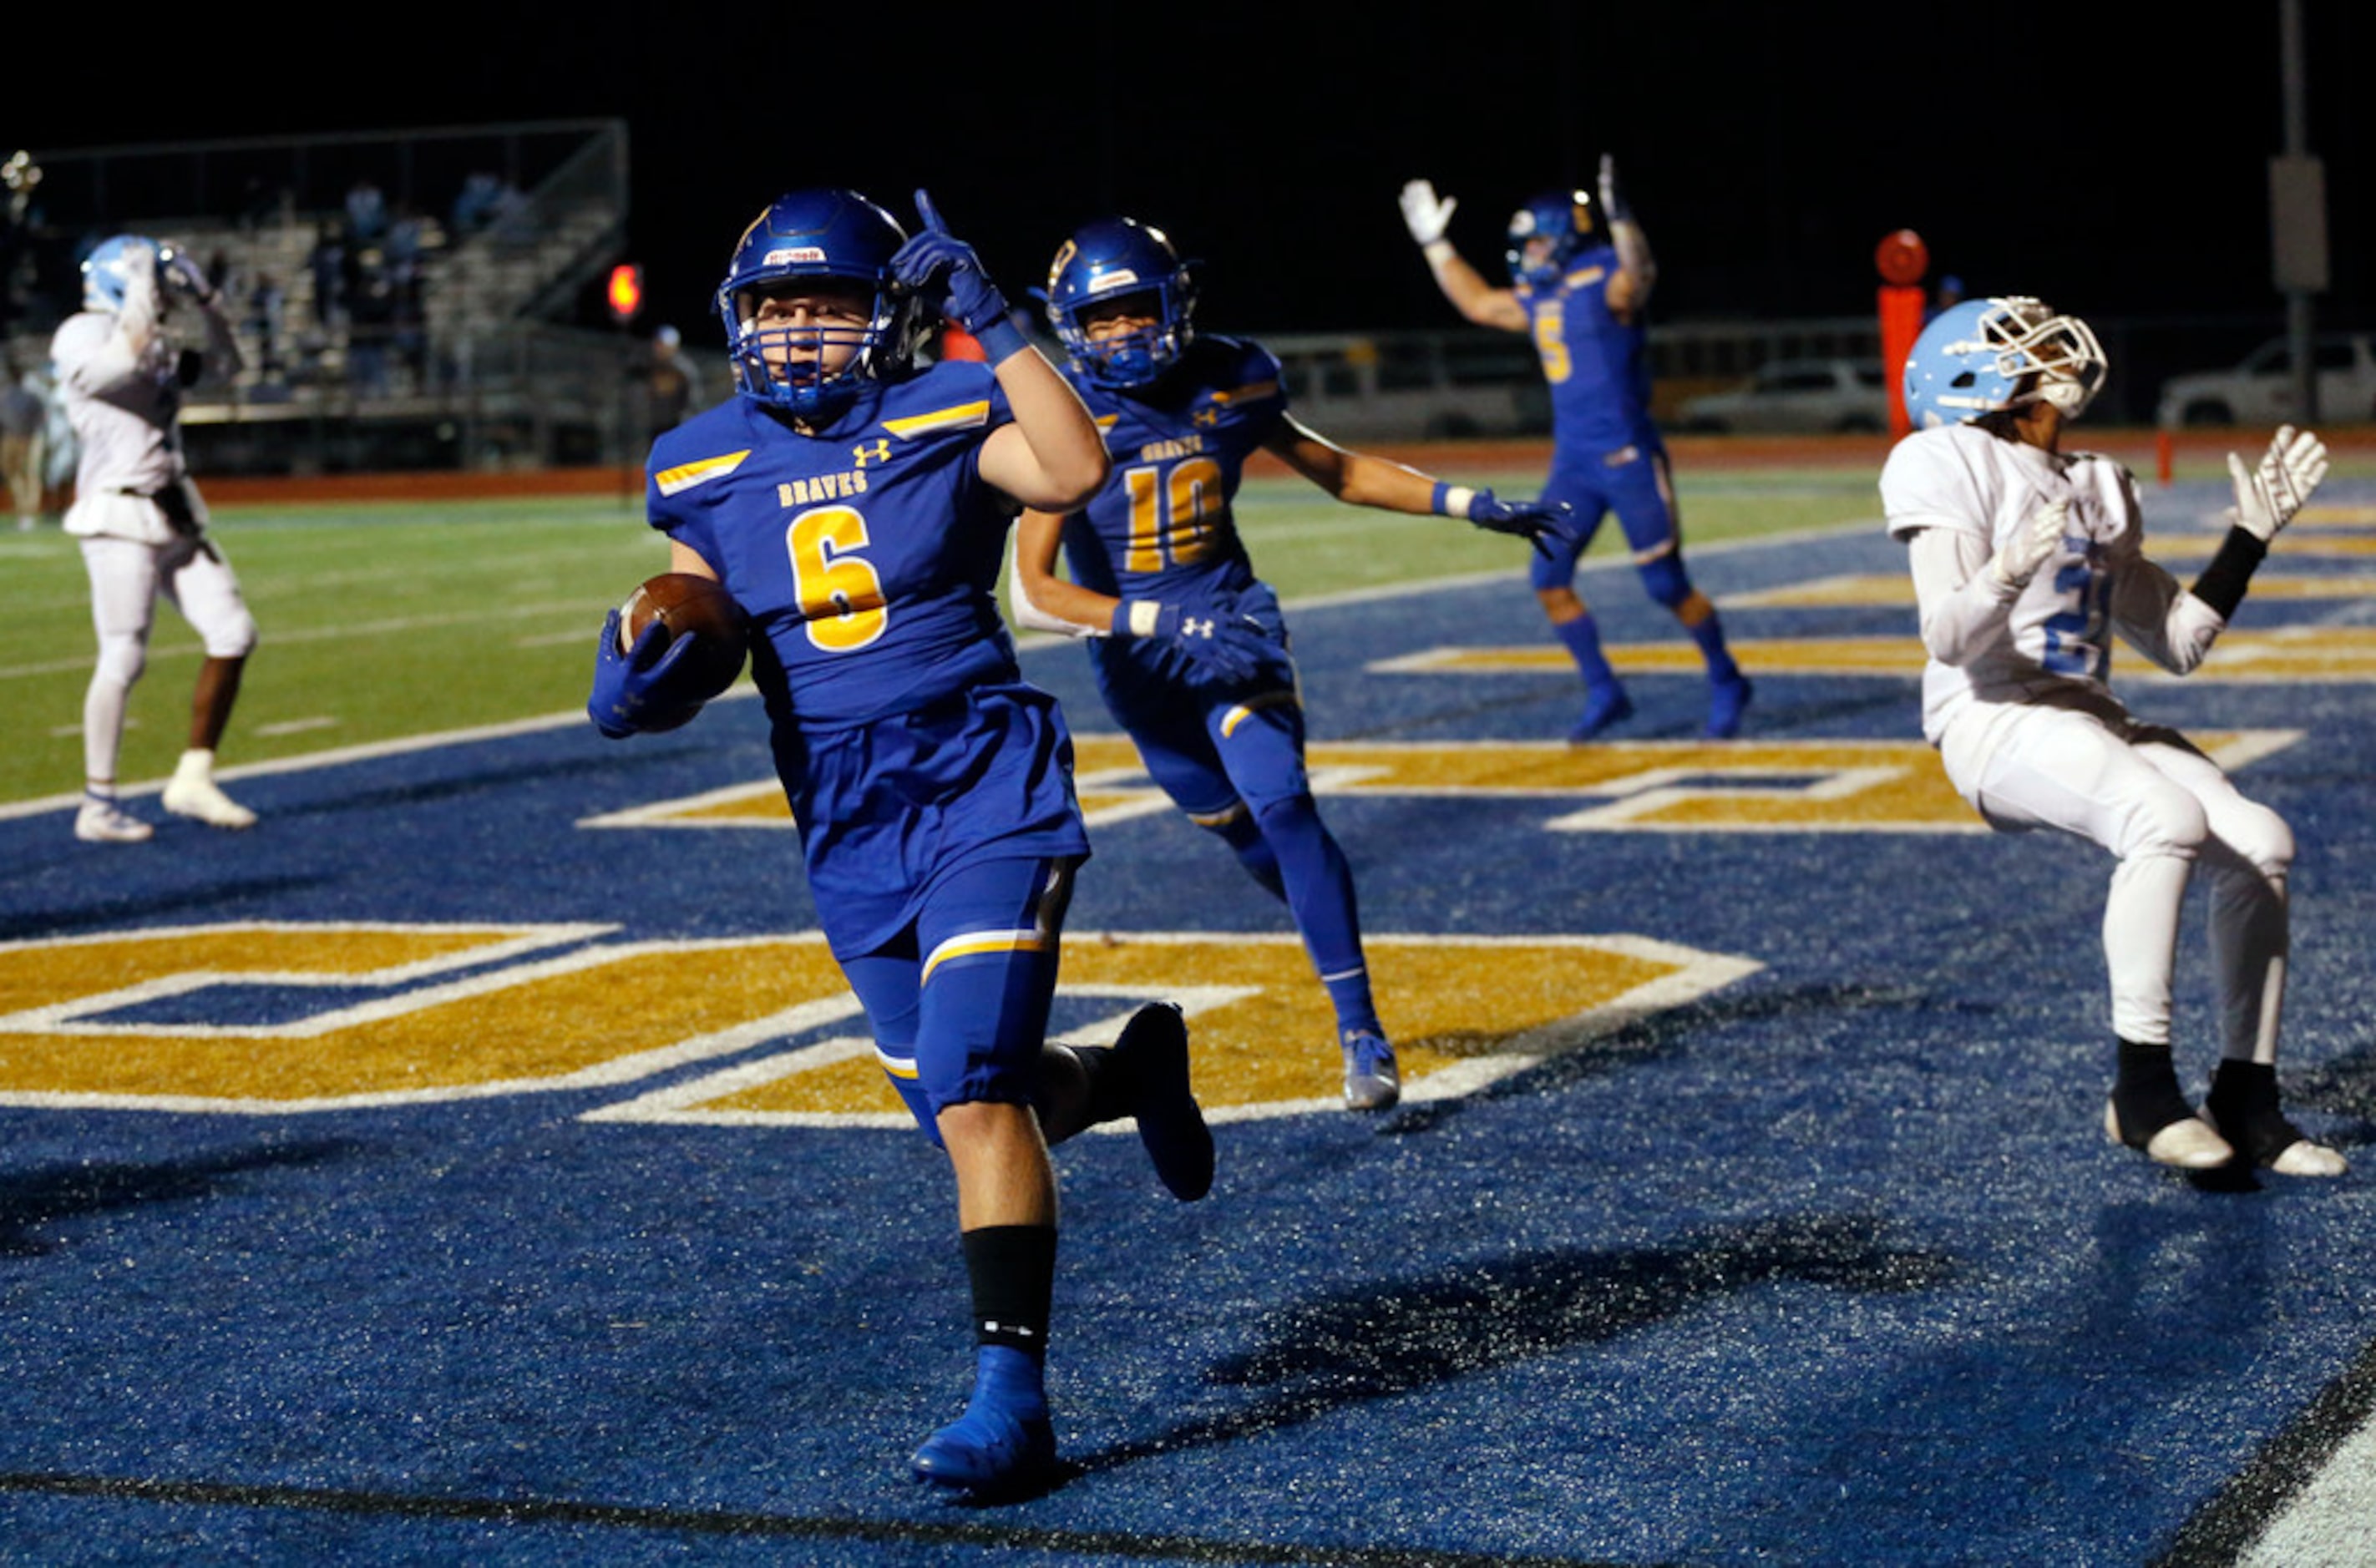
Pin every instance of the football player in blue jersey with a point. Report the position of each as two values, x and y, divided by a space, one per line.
857 506
1580 278
1189 647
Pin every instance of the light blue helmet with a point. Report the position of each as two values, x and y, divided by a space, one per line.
107 270
1985 356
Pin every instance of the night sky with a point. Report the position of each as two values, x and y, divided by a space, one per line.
2106 156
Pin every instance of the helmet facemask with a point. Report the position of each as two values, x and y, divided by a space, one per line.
1103 265
817 242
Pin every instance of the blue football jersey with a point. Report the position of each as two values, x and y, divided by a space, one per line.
1163 521
1597 368
866 554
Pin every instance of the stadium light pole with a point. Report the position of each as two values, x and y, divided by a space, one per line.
2297 215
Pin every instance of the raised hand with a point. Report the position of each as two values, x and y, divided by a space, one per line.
1424 214
944 269
2269 494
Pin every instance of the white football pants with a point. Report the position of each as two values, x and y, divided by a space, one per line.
2148 795
126 577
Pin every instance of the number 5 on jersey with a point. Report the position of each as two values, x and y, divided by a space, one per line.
838 589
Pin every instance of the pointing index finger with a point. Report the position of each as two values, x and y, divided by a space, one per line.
925 210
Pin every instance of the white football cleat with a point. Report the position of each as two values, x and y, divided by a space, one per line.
195 795
2188 1143
99 822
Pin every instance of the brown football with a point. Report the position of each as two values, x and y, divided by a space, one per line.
684 602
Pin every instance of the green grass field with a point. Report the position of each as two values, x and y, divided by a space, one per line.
389 620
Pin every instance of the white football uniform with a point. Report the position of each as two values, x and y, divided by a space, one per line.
119 375
2015 696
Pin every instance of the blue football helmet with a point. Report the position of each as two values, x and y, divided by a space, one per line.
1109 259
822 234
107 270
1570 220
1984 356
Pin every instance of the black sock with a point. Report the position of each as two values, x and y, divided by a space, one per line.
2243 1101
2145 1096
1013 1271
1112 1091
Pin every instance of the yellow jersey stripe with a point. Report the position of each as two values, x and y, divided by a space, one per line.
1240 394
965 416
684 476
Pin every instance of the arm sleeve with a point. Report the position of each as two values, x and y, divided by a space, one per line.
2158 618
1963 607
1032 618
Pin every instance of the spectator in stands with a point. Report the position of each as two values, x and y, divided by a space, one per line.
24 415
366 211
674 385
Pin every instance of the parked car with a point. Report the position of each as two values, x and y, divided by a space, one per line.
2261 390
1797 396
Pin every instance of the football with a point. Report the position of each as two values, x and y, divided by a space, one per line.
683 602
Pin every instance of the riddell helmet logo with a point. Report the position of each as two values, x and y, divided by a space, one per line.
1120 278
792 253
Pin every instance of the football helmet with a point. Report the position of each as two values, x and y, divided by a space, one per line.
107 270
1570 220
821 233
1985 356
1105 260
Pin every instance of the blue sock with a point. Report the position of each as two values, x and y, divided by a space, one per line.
1582 636
1245 837
1319 882
1709 634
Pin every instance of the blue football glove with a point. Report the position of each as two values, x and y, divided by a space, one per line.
1225 644
1545 524
630 689
944 269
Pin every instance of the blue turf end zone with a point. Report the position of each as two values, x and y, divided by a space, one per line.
1829 1264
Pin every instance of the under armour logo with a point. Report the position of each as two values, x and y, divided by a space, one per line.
867 452
1193 626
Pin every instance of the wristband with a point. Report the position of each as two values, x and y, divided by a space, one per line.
2224 581
1452 500
1136 618
1001 340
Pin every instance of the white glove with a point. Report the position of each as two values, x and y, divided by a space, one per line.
1424 214
2020 556
2268 497
180 271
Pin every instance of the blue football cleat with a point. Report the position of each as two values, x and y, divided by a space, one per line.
1603 707
1152 1049
1004 1445
1727 701
1371 1081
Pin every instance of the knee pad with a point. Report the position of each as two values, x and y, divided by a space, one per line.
2262 837
122 658
1665 581
2165 821
232 637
